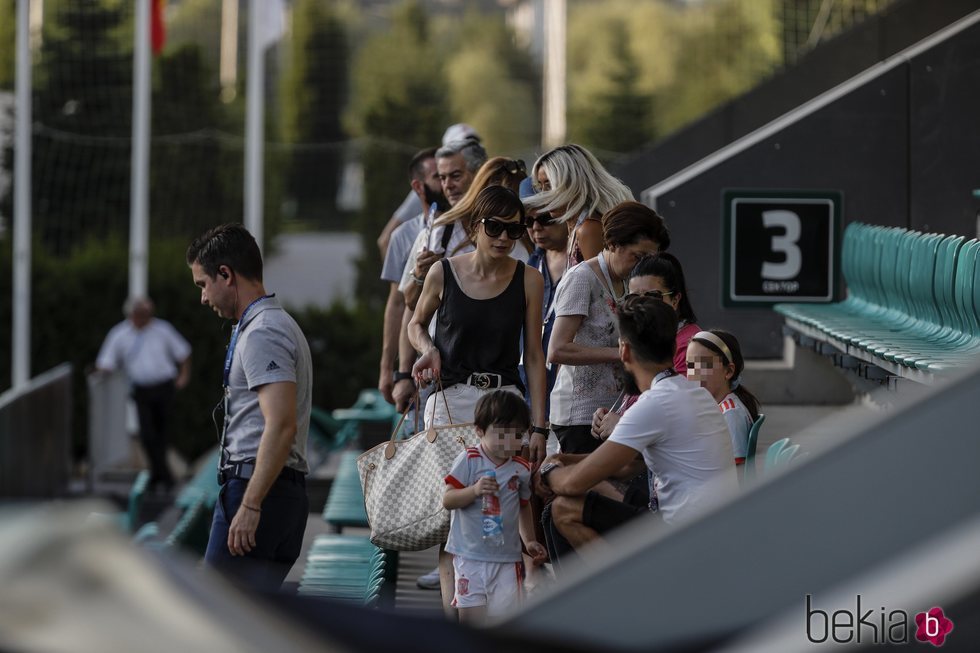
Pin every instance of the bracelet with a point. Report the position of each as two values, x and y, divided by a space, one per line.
400 376
248 507
419 281
542 430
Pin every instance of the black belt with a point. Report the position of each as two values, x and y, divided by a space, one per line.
244 469
484 380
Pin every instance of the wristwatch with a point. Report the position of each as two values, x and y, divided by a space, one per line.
400 376
542 430
545 470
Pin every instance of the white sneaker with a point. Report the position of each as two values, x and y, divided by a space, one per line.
429 581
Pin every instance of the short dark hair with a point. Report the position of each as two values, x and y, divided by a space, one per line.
502 408
629 222
649 326
231 245
497 201
667 267
416 167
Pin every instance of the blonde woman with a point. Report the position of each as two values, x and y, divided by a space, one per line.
574 187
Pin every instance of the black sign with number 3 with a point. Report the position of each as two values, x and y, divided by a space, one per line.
780 246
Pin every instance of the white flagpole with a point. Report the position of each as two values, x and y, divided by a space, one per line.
139 217
553 131
254 122
229 49
21 355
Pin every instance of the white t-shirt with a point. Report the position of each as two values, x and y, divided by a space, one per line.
466 524
685 443
149 356
739 423
580 389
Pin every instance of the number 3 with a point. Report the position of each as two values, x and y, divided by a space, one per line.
786 243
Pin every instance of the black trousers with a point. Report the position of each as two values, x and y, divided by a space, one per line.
153 405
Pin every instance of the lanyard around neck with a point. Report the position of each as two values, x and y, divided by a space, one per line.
235 332
605 273
667 373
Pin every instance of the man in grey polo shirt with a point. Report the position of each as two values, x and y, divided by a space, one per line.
261 512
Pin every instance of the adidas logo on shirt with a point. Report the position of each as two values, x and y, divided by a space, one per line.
272 366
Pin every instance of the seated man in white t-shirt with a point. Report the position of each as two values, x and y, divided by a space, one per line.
675 424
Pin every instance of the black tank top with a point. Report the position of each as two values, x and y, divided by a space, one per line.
480 335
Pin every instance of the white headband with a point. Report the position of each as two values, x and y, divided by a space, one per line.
709 337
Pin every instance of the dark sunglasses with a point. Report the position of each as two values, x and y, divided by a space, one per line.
634 302
496 227
656 294
543 219
515 167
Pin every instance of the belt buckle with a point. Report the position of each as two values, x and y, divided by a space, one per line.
481 381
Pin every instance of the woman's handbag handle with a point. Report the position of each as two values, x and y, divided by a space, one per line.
431 434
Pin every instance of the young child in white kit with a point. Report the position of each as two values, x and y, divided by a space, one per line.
489 568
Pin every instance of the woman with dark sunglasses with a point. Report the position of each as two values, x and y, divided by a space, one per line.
574 188
550 238
498 171
484 303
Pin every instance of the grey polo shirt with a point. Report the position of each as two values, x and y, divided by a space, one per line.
271 348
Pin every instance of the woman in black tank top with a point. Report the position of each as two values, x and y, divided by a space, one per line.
484 302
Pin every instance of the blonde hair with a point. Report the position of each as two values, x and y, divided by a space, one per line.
579 184
495 172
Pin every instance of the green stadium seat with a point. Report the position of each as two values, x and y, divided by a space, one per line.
912 302
345 503
193 528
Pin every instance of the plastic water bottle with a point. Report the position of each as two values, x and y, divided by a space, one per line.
493 523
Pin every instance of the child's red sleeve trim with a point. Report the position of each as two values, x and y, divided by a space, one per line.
451 480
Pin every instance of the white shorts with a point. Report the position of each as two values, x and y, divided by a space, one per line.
461 398
497 585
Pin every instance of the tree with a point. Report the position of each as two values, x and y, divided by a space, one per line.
399 106
195 181
82 112
313 96
744 49
619 119
198 22
8 43
620 49
493 87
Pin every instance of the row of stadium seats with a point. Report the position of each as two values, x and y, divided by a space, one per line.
911 307
347 567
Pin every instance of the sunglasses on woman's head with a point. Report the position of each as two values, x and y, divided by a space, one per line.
515 167
495 227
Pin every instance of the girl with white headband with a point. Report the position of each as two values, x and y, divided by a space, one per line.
714 359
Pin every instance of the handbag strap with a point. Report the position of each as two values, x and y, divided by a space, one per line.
440 390
408 409
390 447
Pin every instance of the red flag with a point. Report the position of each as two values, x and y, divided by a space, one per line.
158 31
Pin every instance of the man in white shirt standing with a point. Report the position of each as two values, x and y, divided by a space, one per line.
675 425
157 361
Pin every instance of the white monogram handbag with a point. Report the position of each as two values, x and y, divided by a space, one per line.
403 483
